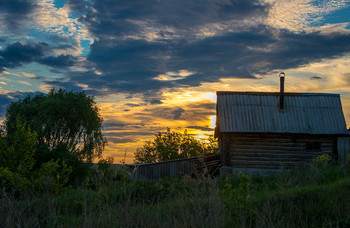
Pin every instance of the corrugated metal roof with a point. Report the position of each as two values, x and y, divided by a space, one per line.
303 113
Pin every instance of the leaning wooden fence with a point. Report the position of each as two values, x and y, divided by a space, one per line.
205 165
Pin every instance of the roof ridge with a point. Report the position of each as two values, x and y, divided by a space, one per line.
274 93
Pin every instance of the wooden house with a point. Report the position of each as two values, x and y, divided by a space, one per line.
263 132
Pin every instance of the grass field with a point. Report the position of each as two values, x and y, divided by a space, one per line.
315 196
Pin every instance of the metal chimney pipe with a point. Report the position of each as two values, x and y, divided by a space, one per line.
282 75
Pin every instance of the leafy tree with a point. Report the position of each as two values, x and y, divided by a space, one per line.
68 127
173 145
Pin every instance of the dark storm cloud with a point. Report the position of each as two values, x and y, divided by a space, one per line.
18 54
132 66
61 61
110 18
178 113
130 62
134 58
15 12
129 65
292 50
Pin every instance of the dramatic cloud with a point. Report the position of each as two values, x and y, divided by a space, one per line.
132 66
139 44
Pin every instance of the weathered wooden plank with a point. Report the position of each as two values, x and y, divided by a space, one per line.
291 142
287 144
276 159
259 140
281 151
330 152
267 165
280 156
263 147
285 138
269 144
271 162
267 151
273 157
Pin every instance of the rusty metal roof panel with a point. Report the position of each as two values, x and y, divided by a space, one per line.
304 113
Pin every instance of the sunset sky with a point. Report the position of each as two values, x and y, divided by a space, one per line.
153 64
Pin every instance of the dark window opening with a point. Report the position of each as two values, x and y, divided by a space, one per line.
314 146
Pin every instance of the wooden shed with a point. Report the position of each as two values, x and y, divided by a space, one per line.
263 132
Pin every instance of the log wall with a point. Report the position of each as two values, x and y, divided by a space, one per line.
273 151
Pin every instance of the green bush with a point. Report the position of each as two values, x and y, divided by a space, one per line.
52 176
12 182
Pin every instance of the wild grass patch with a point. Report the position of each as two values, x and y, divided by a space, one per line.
310 197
